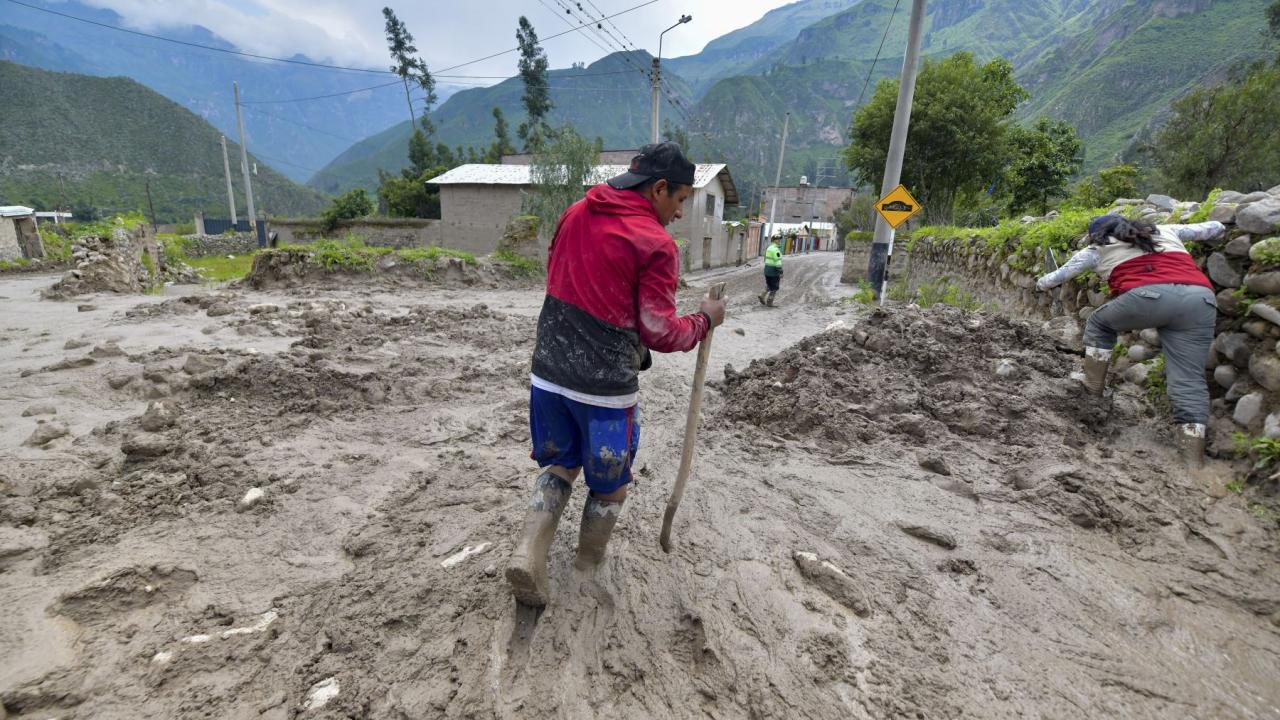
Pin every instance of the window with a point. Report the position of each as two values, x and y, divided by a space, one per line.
711 204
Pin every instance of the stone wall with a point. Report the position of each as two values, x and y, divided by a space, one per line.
207 245
1243 368
857 255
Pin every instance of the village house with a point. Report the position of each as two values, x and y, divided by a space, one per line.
18 236
477 200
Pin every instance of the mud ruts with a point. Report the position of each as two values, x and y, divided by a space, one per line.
1243 370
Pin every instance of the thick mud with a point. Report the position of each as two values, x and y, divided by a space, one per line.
299 504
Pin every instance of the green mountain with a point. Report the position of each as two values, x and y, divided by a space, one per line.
69 140
609 99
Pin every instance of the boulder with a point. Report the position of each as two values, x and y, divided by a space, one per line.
1239 246
1265 251
1236 347
1248 410
1150 337
1228 303
1137 374
1271 426
1243 386
46 408
1266 310
1222 273
1254 197
1225 376
1140 353
1263 283
1261 217
1229 196
47 432
1264 368
1163 202
160 415
1256 328
1223 213
199 364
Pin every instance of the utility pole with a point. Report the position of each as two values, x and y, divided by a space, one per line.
150 205
244 165
656 77
777 180
226 171
882 242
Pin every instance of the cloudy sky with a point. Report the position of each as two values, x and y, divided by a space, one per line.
448 32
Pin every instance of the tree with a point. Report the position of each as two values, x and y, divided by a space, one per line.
352 204
409 67
561 169
1117 181
1043 159
1224 136
677 135
957 136
537 88
501 140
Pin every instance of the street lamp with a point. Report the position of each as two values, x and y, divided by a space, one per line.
657 75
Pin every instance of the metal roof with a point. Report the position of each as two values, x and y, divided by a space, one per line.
15 211
486 174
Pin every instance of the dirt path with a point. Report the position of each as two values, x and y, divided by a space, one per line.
820 570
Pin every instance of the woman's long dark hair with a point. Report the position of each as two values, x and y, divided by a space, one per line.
1138 233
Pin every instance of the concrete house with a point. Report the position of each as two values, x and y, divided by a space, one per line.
477 200
18 236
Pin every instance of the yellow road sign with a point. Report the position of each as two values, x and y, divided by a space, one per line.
897 206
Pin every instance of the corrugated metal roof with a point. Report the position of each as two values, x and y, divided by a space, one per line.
15 211
485 174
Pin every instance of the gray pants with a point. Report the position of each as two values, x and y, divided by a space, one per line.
1184 315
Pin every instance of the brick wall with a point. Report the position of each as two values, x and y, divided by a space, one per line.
475 215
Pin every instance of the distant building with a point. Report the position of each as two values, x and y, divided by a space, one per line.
804 203
476 201
18 236
607 157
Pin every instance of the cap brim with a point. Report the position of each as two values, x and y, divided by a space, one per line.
627 180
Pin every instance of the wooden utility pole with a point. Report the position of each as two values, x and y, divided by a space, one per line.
777 179
244 165
882 243
150 205
226 171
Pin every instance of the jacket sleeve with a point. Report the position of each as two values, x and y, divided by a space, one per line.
659 327
1198 232
1086 259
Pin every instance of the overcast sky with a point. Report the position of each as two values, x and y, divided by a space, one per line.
448 32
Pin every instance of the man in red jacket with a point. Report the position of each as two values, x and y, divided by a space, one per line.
612 273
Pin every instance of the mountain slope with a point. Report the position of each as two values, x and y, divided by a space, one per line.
300 136
80 141
609 99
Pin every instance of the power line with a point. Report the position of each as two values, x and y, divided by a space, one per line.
877 57
397 83
300 124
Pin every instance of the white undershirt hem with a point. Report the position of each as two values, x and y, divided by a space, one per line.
606 401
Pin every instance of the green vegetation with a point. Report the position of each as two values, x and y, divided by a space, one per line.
351 254
562 167
1118 351
434 253
1117 181
945 292
522 264
1206 207
1266 251
537 89
1042 160
1157 384
859 236
145 137
348 206
1023 245
865 295
222 268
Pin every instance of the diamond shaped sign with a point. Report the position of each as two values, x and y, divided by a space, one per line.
897 206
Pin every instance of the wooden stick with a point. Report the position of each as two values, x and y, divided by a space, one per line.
690 427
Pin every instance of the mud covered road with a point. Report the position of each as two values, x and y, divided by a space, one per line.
299 504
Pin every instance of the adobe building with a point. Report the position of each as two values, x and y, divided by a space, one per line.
18 236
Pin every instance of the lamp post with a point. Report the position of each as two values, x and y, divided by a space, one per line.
656 75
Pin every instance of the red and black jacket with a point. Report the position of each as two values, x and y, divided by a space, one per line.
612 273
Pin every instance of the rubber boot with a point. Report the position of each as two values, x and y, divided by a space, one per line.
1096 362
762 296
598 518
527 571
1189 437
769 300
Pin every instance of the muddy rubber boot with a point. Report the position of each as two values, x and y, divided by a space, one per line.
769 301
1096 362
762 296
598 518
527 570
1189 438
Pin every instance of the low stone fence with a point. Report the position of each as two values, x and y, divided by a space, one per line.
1243 263
381 232
229 244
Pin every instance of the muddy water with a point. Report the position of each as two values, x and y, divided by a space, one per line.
823 567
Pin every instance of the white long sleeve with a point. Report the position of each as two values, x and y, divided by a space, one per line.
1198 232
1086 259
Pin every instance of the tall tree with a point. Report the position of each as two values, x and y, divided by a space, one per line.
501 138
537 87
400 44
561 168
1043 159
957 137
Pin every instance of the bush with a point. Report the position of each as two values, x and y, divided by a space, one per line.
521 263
351 205
859 237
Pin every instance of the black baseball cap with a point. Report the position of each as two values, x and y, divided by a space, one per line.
661 160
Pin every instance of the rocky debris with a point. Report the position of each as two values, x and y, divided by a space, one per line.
1238 246
160 415
119 380
1265 251
114 263
1007 369
935 464
107 350
198 364
265 309
1271 426
1221 271
1236 347
45 408
252 498
1264 368
47 432
75 344
219 310
147 445
832 581
1263 283
1225 376
64 364
1151 337
16 544
1248 409
1161 202
1140 353
320 694
86 307
1136 374
941 538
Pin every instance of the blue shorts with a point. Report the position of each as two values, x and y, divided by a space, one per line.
602 441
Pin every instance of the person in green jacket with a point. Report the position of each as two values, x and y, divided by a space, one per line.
772 271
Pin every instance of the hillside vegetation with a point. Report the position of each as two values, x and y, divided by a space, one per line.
85 142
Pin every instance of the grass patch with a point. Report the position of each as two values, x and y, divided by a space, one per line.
434 253
221 268
14 264
1206 207
865 295
1157 383
521 263
944 292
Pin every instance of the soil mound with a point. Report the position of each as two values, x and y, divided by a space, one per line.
124 262
339 266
